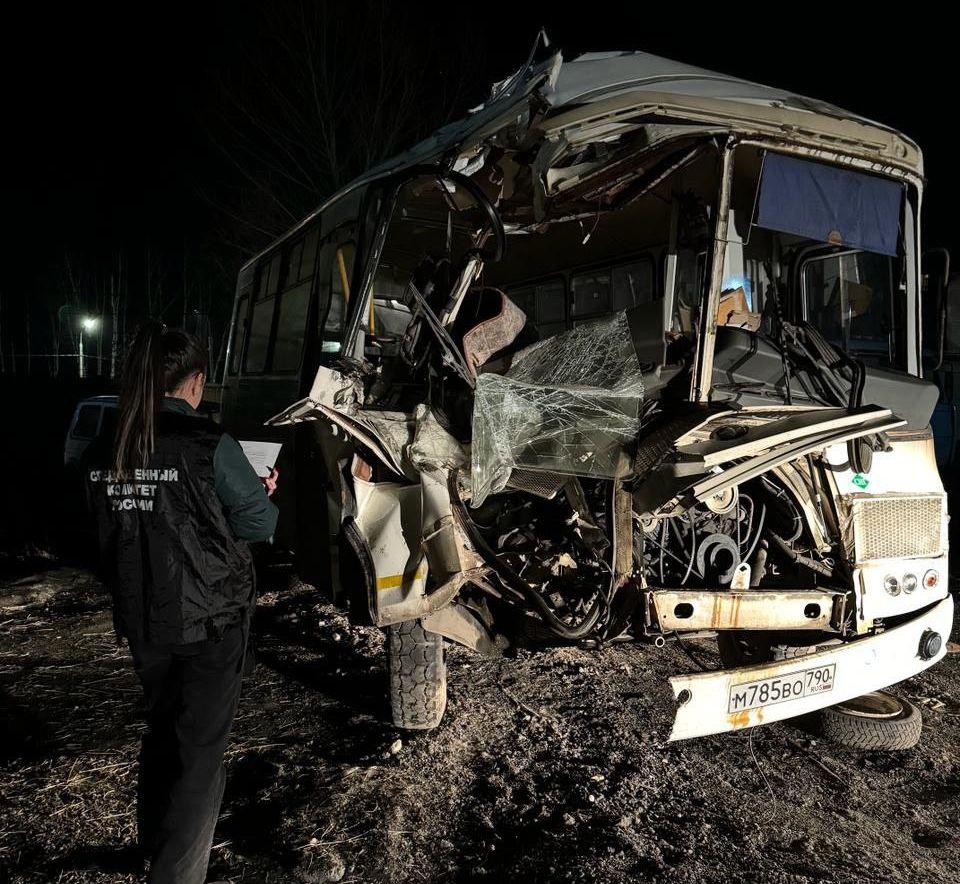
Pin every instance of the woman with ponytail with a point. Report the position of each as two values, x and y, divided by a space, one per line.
176 504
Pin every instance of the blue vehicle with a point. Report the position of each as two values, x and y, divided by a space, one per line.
942 354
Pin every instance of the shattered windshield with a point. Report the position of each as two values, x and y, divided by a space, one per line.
568 404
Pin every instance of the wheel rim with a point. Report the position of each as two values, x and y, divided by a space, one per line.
876 705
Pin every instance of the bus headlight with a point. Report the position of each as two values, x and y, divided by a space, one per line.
909 583
891 585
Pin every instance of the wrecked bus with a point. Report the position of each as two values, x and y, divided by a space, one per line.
631 352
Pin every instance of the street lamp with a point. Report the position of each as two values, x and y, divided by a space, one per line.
88 323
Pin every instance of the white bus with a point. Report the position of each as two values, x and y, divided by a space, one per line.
633 351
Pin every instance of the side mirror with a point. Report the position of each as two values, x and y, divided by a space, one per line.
934 282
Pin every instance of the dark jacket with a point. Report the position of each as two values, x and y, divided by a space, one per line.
172 536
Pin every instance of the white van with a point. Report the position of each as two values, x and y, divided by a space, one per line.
91 417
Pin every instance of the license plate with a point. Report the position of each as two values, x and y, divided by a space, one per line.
780 688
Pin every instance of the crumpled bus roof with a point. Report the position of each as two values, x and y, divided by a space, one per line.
602 74
615 81
602 88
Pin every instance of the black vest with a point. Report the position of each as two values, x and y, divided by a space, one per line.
169 557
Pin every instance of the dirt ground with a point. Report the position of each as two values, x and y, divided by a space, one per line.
550 766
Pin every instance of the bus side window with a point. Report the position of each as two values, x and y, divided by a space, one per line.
525 298
294 304
544 304
239 334
551 307
88 418
308 260
590 293
331 320
261 320
597 293
632 284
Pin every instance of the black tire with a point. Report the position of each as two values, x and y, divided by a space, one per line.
418 676
876 721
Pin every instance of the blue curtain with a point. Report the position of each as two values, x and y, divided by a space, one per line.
829 204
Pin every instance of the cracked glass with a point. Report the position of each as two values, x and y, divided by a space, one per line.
569 405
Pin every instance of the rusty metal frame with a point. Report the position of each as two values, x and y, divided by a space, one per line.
459 624
796 609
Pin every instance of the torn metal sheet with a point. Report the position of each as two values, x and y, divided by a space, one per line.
337 398
410 535
879 422
461 625
440 540
389 516
689 477
774 430
433 448
330 389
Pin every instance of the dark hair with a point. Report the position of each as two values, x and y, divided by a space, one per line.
159 360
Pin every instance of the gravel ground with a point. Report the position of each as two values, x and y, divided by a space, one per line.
550 766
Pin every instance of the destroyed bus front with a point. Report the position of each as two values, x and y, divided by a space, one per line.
624 356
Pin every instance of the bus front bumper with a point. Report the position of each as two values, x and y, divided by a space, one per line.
731 699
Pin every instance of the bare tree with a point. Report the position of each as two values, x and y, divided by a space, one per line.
327 92
101 305
29 342
116 294
3 367
75 298
54 339
123 322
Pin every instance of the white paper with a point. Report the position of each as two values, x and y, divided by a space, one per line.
262 455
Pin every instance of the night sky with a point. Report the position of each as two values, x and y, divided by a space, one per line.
108 111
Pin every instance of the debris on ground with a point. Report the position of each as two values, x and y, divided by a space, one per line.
550 766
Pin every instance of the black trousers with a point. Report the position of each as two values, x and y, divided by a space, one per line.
191 694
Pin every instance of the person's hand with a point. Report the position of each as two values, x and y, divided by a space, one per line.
270 482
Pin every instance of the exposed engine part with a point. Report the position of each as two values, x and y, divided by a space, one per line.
714 546
536 551
558 558
723 502
758 567
705 545
797 556
700 547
